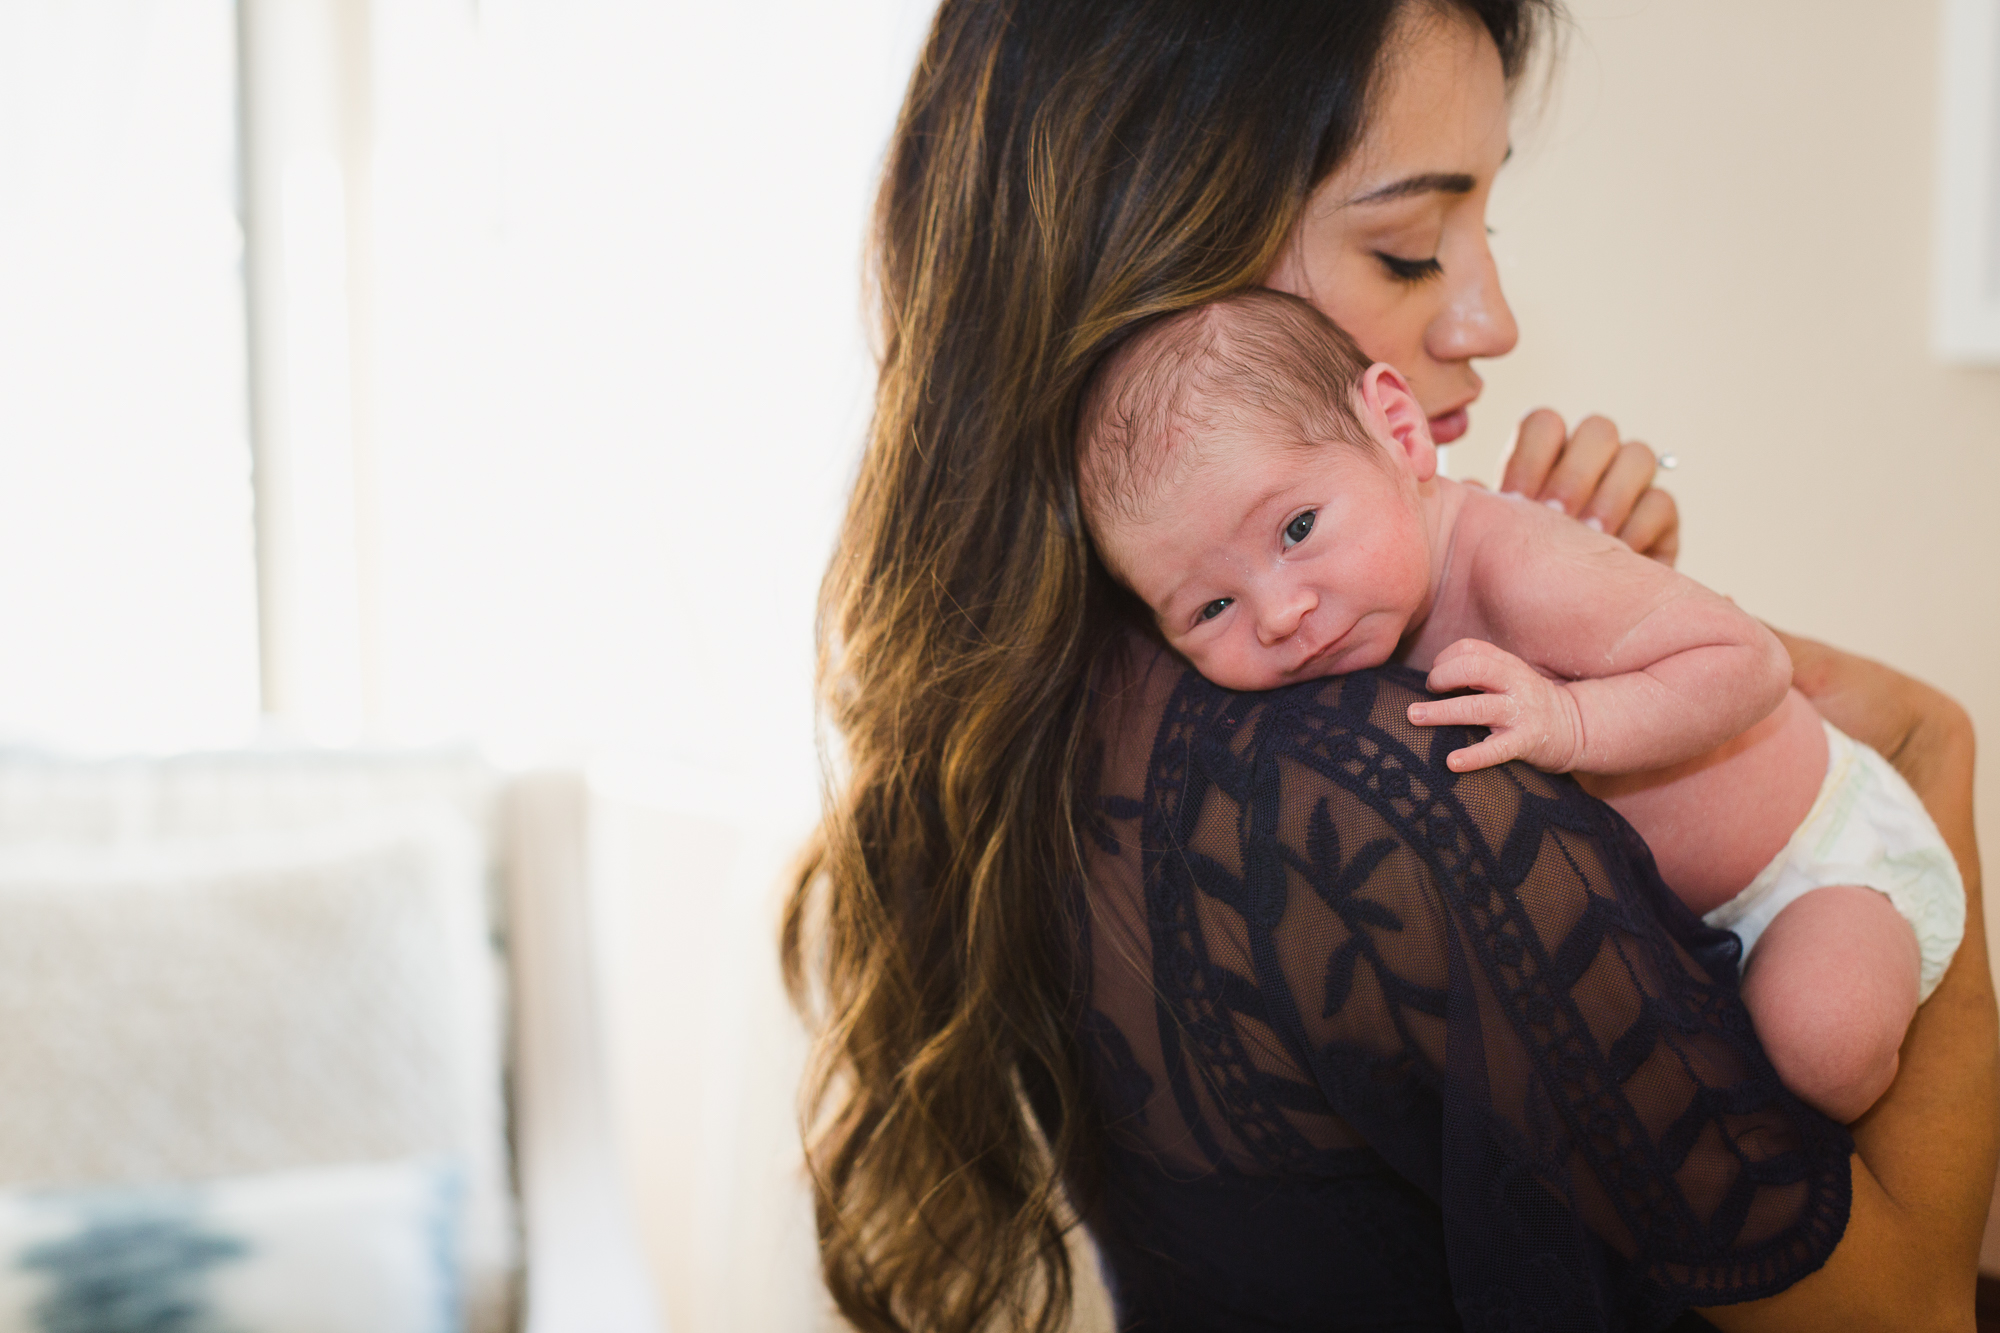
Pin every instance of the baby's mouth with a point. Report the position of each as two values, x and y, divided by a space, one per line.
1316 662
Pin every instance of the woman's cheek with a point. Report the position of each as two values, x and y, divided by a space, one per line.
1332 276
1387 318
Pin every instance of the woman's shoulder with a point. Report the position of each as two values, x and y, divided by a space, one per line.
1320 812
1168 738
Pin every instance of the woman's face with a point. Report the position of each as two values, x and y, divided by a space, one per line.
1392 246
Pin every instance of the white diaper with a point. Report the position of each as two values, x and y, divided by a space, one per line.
1866 827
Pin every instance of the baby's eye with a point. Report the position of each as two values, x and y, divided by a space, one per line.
1215 608
1296 530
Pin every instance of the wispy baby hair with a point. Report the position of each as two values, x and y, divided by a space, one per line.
1256 358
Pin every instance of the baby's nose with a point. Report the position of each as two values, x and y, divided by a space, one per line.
1280 618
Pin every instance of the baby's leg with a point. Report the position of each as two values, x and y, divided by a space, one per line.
1831 988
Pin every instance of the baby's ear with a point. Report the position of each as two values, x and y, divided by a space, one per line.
1390 410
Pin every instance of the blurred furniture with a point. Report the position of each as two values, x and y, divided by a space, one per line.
574 1265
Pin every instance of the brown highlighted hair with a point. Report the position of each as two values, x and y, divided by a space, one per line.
1062 171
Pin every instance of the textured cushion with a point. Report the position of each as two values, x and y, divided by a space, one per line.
103 802
238 1003
357 1249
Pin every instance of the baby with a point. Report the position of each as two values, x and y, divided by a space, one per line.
1275 500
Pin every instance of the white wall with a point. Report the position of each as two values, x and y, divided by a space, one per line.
1719 234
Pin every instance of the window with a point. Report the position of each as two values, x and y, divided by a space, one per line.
1966 305
127 584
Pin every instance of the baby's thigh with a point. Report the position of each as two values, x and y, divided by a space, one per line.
1717 820
1831 987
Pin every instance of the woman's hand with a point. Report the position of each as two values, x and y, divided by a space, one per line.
1596 477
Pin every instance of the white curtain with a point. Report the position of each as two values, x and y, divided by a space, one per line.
619 383
127 591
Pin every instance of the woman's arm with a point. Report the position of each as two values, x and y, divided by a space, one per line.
1925 1154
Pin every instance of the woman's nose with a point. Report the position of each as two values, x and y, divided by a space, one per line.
1475 320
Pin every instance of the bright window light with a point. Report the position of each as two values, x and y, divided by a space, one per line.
621 375
127 587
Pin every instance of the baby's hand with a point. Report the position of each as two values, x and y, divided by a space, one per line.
1532 717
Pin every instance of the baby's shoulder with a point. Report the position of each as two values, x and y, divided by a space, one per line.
1509 513
1506 537
1511 526
1513 552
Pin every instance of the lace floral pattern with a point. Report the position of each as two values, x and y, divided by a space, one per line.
1442 1043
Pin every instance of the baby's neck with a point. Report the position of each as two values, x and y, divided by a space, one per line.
1442 502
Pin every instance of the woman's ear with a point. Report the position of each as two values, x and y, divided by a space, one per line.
1390 409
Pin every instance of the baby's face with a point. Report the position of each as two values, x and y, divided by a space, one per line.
1265 564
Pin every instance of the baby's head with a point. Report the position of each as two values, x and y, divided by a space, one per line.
1261 487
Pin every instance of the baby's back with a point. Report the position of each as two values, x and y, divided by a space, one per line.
1716 820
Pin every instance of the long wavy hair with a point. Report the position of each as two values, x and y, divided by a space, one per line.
1062 171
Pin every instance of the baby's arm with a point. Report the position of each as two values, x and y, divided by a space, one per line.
1591 658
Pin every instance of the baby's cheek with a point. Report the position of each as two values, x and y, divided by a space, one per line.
1209 661
1238 667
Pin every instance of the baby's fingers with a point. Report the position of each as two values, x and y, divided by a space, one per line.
1470 710
1473 665
1495 749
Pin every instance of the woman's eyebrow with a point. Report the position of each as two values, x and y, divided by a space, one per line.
1441 182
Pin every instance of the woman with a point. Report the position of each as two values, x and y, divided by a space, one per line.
1311 1033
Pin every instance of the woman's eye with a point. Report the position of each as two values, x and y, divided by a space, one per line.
1215 608
1297 530
1410 270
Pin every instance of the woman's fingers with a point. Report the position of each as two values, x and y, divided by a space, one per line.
1583 466
1618 490
1538 442
1654 528
1591 474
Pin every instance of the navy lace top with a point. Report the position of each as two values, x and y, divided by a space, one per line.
1380 1046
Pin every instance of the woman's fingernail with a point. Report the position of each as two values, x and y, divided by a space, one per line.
1514 495
1594 523
1556 505
1416 712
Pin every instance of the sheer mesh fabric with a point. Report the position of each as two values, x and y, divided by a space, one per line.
1378 1045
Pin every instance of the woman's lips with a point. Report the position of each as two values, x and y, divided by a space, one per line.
1449 426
